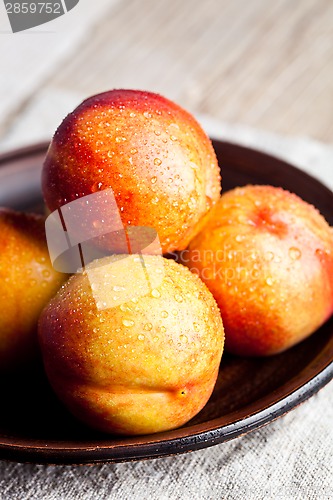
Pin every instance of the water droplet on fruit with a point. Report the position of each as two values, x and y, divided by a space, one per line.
295 253
97 224
128 322
269 281
153 180
209 203
173 137
46 273
242 219
133 151
163 329
148 327
155 293
156 339
157 161
178 298
132 115
183 338
97 186
196 327
192 203
146 114
269 256
118 288
164 314
141 337
101 305
239 238
157 132
175 312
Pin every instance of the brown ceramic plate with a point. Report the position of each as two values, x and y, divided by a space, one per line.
34 427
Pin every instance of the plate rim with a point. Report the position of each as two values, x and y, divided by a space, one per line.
184 439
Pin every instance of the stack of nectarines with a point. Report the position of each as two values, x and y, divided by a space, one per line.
147 362
132 342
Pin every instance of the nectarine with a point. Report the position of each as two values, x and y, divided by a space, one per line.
267 257
154 155
27 282
142 366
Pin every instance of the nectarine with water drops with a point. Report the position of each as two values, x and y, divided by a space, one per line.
27 282
145 365
154 155
267 257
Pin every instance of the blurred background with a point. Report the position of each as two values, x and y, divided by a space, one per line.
254 63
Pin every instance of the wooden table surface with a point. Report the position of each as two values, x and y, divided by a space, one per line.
260 63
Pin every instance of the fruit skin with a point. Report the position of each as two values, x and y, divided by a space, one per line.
27 282
144 366
267 257
153 154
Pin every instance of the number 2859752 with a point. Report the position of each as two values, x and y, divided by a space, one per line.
33 8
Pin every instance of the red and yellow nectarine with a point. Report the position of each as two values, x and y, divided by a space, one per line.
143 366
27 282
267 257
151 152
